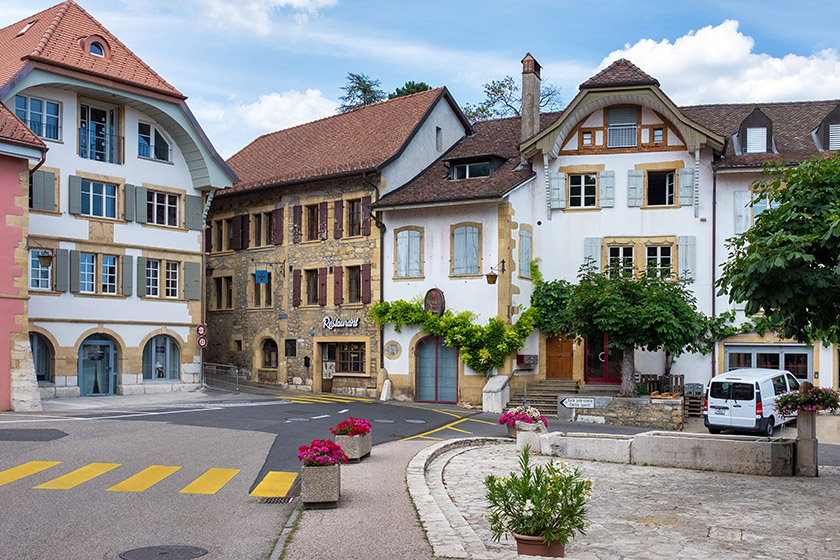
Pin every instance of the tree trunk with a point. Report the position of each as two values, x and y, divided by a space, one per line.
628 372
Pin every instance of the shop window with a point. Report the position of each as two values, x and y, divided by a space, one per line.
351 357
161 359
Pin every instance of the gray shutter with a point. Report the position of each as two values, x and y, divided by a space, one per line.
128 206
140 211
193 212
687 247
43 191
635 187
62 268
127 274
686 186
557 185
742 211
141 276
74 272
75 195
607 179
592 251
192 280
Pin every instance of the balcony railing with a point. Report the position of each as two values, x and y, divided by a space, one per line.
621 136
98 146
160 153
43 129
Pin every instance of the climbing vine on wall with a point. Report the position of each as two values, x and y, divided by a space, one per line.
480 348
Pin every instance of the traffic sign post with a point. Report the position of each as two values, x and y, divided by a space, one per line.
201 330
202 342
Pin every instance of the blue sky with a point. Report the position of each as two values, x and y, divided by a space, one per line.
254 66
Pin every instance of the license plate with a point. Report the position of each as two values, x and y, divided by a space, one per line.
720 411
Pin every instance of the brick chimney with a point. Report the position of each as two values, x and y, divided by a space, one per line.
530 97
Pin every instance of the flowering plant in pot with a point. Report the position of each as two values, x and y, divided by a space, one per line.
811 399
547 503
320 453
320 476
527 414
354 437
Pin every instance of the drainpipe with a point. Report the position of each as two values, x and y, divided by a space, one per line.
381 227
203 274
714 254
39 164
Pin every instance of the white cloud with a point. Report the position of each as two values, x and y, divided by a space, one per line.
233 125
718 65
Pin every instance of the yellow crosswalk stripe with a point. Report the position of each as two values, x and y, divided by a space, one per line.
210 482
144 480
79 476
275 484
24 470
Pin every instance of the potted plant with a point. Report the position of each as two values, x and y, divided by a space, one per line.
353 435
543 507
320 475
527 414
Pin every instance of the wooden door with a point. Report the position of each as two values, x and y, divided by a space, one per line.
559 357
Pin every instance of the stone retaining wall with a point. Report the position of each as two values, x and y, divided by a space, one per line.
643 412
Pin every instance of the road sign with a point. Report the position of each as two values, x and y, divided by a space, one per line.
261 277
201 330
202 342
579 402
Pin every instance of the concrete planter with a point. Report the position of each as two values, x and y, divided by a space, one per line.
355 447
320 485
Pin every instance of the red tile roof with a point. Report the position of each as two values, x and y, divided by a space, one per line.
55 38
622 72
361 140
13 131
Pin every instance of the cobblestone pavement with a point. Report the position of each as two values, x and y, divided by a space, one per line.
635 512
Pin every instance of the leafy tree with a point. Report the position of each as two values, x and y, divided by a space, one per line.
502 99
409 88
359 90
787 266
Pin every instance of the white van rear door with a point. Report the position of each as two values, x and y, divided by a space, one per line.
720 403
743 405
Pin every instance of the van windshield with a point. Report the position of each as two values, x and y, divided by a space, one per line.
736 391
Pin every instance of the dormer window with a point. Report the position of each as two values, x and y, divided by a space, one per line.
755 134
96 45
96 49
828 133
471 170
834 137
756 140
621 127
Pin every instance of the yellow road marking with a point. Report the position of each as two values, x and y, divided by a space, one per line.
144 480
431 410
210 482
79 476
275 484
483 421
449 426
431 438
459 430
24 470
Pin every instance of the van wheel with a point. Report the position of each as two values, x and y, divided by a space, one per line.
714 431
770 427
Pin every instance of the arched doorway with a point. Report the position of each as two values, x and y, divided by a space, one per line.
437 371
97 366
161 359
42 356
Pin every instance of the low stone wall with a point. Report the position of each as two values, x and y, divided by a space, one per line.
642 412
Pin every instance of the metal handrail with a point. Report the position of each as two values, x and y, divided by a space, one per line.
621 136
100 147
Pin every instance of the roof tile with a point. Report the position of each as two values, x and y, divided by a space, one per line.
12 130
622 72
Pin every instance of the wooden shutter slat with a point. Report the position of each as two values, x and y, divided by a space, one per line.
277 226
193 212
62 268
338 230
75 194
127 274
236 228
338 285
245 225
366 215
366 291
296 288
297 223
322 286
141 212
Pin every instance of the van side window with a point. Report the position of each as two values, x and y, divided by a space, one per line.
793 383
779 385
742 391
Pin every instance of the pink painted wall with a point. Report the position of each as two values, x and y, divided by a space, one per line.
10 238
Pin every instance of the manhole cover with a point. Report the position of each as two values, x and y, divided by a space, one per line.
164 553
416 421
384 421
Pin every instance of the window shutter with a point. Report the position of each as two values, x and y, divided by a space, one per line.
592 251
338 285
62 269
366 215
635 187
236 228
557 185
43 191
193 212
74 272
277 226
743 211
322 286
686 186
192 281
296 288
414 253
621 115
297 223
208 240
322 220
128 202
834 137
245 225
75 195
366 297
687 247
141 212
607 187
403 242
141 276
338 230
525 253
127 273
756 140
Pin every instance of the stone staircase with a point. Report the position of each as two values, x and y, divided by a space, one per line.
542 395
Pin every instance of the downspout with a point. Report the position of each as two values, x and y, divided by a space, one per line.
203 274
714 255
381 227
40 163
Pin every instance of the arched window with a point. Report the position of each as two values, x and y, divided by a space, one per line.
269 351
96 49
42 355
161 359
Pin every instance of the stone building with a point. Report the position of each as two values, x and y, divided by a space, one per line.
294 258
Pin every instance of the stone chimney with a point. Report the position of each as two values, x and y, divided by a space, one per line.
530 97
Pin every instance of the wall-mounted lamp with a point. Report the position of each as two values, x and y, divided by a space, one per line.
495 271
45 256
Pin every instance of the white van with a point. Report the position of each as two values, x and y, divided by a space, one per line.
745 400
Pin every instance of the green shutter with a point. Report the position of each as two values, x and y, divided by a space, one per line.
193 212
687 247
557 185
635 187
74 272
140 211
607 188
192 280
62 267
75 195
128 198
127 274
686 186
141 276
